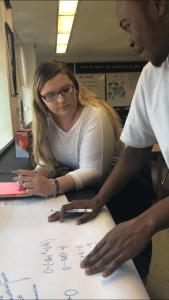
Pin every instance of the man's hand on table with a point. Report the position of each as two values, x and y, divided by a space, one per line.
90 204
120 244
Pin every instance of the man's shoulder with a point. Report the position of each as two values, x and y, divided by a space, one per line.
150 70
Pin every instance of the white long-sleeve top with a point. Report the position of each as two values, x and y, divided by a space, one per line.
88 148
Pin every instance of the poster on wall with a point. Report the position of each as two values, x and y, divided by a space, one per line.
93 82
121 88
11 60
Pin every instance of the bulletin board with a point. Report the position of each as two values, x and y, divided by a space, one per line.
115 82
121 88
94 83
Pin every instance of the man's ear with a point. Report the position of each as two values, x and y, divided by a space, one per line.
159 6
156 8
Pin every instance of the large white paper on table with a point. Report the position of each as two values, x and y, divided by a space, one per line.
58 201
40 260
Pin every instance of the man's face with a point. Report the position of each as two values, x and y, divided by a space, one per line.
145 29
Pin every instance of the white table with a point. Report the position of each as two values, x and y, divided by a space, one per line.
40 260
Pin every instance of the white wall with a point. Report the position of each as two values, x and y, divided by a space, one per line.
29 66
6 134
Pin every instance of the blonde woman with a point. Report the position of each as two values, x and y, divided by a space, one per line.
72 128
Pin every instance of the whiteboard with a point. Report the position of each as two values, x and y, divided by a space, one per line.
121 88
40 260
93 82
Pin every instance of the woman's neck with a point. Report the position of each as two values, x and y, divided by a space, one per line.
67 122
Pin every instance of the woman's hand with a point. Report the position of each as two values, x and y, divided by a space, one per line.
90 204
34 183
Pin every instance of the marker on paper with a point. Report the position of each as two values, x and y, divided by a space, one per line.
15 172
75 210
21 181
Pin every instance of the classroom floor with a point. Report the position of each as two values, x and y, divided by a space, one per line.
158 278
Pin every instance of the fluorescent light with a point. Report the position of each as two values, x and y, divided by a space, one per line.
63 38
65 24
61 48
67 8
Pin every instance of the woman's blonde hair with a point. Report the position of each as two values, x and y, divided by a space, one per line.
43 73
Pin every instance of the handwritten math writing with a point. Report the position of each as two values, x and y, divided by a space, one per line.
5 288
35 291
6 285
20 297
70 293
64 257
48 258
82 251
65 254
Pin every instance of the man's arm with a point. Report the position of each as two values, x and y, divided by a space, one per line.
129 164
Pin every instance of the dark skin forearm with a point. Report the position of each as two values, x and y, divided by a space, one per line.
158 215
129 164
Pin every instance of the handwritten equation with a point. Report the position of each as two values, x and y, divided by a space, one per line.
6 288
55 258
82 249
48 258
64 257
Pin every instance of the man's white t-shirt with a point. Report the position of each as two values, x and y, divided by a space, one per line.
148 119
88 148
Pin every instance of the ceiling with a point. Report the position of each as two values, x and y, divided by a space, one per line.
96 34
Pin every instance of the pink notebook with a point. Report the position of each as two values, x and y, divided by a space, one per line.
9 189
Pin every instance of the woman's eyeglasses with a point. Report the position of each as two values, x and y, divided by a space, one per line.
64 92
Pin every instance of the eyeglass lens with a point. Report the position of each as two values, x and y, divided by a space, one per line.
64 92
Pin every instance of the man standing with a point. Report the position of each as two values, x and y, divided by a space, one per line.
147 26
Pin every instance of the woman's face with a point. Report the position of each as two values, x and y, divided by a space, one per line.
63 106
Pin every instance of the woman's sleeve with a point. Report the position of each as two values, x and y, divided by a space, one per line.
48 151
96 149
